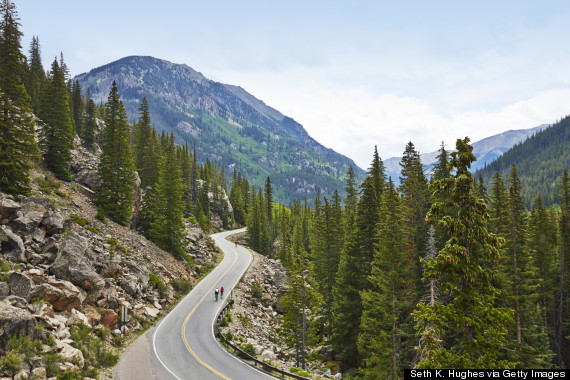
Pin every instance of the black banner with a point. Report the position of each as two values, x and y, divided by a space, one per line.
465 374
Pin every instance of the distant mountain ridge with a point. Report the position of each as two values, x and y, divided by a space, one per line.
486 150
229 125
540 161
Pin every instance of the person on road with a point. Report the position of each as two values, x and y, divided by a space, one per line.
236 243
216 293
222 291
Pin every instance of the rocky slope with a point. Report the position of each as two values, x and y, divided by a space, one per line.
256 313
60 266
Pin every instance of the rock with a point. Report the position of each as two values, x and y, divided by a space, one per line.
4 289
62 295
12 245
337 376
280 279
69 354
39 373
31 217
55 223
92 315
72 264
350 372
151 312
8 208
22 375
16 301
109 319
268 354
15 321
78 317
20 284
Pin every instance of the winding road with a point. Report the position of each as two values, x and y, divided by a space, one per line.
182 346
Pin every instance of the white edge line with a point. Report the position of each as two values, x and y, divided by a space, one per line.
160 325
226 351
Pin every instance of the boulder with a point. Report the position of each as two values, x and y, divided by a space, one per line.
109 318
32 214
77 317
20 284
92 315
15 321
72 264
55 223
4 289
8 208
62 295
69 354
12 245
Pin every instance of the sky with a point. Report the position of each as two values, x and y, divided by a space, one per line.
355 74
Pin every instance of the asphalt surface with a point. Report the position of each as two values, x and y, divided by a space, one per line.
182 345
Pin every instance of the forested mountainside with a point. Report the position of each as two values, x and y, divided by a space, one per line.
229 125
540 161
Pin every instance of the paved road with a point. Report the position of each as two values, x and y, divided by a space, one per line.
182 345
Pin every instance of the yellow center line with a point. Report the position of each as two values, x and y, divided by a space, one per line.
190 315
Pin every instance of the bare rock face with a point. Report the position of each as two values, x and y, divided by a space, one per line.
20 284
62 295
8 208
15 321
72 264
12 245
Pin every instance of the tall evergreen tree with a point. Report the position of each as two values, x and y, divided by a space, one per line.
77 107
90 125
562 348
116 168
18 148
57 130
36 74
384 301
464 329
167 206
301 303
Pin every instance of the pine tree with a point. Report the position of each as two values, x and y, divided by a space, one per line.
57 129
498 208
327 242
542 241
464 329
18 148
167 206
116 168
36 74
383 303
301 303
77 107
562 349
90 125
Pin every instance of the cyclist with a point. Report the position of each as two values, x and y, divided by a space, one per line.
222 291
216 293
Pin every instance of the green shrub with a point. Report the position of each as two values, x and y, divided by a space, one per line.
158 284
4 269
94 353
69 374
229 336
181 286
257 290
79 220
47 185
249 349
11 362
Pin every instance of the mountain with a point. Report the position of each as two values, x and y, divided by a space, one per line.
486 151
540 161
228 125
